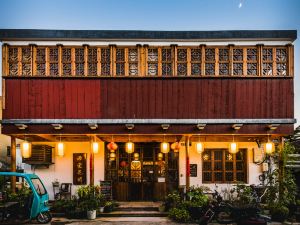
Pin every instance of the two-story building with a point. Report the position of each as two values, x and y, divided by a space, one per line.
150 111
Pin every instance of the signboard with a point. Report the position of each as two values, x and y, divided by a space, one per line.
106 189
258 155
193 170
79 168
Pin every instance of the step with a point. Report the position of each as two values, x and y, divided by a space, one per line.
134 214
134 208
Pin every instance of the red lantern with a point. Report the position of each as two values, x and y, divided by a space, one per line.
123 164
112 146
175 146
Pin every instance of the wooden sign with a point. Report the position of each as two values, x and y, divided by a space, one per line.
79 168
258 154
106 189
193 170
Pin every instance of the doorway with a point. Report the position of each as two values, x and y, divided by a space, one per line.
143 175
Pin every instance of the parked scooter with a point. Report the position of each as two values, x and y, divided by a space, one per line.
36 205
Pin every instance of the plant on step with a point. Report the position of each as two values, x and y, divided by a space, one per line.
172 200
179 215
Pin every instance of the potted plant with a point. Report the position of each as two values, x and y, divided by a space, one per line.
90 206
279 212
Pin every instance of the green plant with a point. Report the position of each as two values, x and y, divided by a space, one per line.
279 212
197 197
179 215
172 200
109 206
88 205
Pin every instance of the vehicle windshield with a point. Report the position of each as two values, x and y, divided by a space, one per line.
39 187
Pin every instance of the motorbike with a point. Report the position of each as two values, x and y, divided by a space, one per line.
35 206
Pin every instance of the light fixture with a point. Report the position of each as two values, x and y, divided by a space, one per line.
237 126
112 156
26 149
164 147
129 146
129 126
175 146
112 146
136 156
273 126
160 156
21 126
199 146
57 126
233 148
93 126
269 146
201 126
165 126
60 147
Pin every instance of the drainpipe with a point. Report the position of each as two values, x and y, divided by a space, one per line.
187 150
13 162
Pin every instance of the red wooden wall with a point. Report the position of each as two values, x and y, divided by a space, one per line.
42 98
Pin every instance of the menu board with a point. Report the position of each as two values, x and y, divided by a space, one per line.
193 170
106 189
79 168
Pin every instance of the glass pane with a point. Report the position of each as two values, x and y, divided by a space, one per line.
207 176
229 176
229 166
240 176
239 166
218 155
206 165
218 176
218 166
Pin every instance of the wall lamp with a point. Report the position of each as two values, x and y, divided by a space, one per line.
273 126
93 126
201 126
21 126
129 126
237 126
165 126
57 126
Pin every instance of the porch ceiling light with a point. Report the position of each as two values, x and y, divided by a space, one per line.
21 126
26 149
269 146
129 147
237 126
233 147
201 126
57 126
129 126
95 147
93 126
165 126
60 147
273 126
164 147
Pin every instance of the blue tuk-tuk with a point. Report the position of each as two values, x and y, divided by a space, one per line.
37 202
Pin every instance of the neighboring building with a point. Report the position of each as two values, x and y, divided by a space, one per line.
209 87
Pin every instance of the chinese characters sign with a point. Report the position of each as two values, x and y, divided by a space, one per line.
79 168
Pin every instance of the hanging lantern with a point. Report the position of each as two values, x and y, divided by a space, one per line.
160 156
175 146
199 147
112 146
26 149
95 147
164 147
233 149
269 147
129 147
112 156
60 149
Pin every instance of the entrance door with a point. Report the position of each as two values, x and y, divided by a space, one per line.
142 175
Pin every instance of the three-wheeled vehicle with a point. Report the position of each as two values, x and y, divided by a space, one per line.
35 206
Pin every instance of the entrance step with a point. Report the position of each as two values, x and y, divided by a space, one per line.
134 214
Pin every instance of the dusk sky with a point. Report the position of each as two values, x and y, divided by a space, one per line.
157 15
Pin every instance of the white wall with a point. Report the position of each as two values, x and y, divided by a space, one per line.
62 169
253 170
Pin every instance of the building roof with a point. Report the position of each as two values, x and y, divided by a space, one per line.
35 34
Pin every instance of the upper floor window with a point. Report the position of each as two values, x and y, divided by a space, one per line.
252 61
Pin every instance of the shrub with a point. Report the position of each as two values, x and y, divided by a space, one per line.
197 197
172 200
279 212
179 215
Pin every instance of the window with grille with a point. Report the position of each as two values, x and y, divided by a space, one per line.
53 61
66 62
26 61
79 61
220 166
167 62
210 61
281 61
152 60
41 61
105 62
13 61
92 61
133 62
223 61
267 61
252 61
196 56
182 62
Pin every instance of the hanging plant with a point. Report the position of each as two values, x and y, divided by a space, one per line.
112 146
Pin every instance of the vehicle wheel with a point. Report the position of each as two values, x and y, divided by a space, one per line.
224 217
44 217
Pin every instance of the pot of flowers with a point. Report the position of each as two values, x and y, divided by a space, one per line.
90 206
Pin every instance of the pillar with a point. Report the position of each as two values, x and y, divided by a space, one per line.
187 150
92 168
13 162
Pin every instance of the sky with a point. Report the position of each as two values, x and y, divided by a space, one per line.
158 15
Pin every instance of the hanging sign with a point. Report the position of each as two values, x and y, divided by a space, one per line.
79 168
193 170
258 154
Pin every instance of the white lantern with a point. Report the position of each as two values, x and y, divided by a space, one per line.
26 149
164 147
233 149
95 147
60 149
199 147
129 147
269 147
160 156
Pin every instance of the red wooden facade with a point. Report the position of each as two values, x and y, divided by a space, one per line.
40 98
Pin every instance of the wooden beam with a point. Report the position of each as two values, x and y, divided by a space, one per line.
48 137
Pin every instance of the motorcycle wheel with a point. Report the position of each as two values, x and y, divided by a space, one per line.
224 217
44 217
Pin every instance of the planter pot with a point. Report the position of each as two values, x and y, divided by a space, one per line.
195 212
91 215
101 209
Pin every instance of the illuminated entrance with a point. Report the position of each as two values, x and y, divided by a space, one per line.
145 175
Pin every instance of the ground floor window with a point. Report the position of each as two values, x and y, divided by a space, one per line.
219 166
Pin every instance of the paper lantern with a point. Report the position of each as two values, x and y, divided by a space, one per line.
233 148
112 146
26 149
60 149
164 147
129 147
199 147
160 156
269 147
95 147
